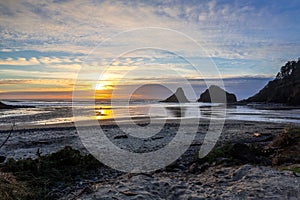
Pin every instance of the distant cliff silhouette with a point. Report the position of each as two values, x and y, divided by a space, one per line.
178 97
219 95
285 88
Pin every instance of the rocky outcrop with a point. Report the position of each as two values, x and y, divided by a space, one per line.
178 97
219 95
4 106
285 88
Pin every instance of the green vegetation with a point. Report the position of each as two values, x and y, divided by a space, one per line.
41 178
220 152
294 169
235 153
284 149
11 189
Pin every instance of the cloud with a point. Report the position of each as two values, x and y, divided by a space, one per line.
55 60
20 61
48 61
51 39
68 82
36 95
229 29
37 74
6 50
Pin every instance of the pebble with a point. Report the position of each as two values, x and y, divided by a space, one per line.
297 174
242 171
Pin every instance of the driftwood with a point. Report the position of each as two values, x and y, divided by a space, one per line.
8 136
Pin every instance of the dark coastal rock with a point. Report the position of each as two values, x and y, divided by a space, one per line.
193 168
178 97
2 159
219 95
4 106
121 137
285 88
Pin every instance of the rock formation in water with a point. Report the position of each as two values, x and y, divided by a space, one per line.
285 88
219 95
178 97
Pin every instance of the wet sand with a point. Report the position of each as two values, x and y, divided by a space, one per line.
25 141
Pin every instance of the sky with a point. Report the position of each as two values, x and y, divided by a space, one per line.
48 47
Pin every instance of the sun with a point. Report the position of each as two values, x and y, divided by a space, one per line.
100 86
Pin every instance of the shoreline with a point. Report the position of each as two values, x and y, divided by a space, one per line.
141 121
50 138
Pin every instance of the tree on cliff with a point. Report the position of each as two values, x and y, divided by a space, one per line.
285 88
287 69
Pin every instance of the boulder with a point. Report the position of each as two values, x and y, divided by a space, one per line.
219 95
2 159
178 97
285 88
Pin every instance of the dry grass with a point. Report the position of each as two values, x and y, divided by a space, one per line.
11 189
46 177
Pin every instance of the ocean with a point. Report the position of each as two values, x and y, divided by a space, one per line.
57 112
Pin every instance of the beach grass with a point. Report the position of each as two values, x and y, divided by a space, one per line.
47 176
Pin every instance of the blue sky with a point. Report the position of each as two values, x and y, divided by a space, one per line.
43 43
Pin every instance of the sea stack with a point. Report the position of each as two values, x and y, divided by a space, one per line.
178 97
219 94
285 88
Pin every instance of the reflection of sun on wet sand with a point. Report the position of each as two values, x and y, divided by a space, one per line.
104 112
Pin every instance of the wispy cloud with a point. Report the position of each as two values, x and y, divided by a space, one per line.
65 82
20 61
40 74
228 29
